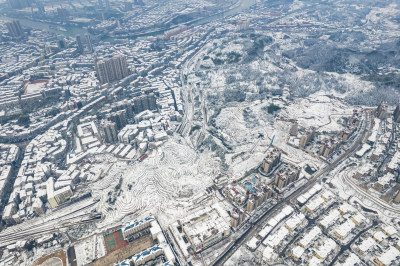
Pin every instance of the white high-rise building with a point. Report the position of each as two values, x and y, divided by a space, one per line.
111 69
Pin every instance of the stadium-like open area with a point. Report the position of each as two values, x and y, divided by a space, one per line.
35 86
55 259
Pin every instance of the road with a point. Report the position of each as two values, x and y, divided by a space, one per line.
187 94
381 203
52 222
188 102
188 98
250 231
348 246
71 256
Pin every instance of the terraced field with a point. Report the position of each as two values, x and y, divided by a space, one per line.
162 184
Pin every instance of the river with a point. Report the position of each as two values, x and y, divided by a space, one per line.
244 4
72 31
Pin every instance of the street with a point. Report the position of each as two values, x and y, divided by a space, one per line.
250 231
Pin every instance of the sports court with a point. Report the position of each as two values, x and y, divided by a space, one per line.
114 241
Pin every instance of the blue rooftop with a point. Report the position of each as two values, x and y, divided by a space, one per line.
135 224
146 252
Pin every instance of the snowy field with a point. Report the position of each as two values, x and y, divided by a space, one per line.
163 184
90 248
249 150
319 111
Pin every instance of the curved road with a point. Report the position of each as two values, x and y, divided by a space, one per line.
250 231
381 203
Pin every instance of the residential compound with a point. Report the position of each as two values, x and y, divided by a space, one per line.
273 158
202 229
111 69
10 155
337 224
182 132
33 184
325 145
14 29
249 193
330 145
284 173
372 169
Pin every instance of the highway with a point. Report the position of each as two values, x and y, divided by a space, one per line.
187 93
250 231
